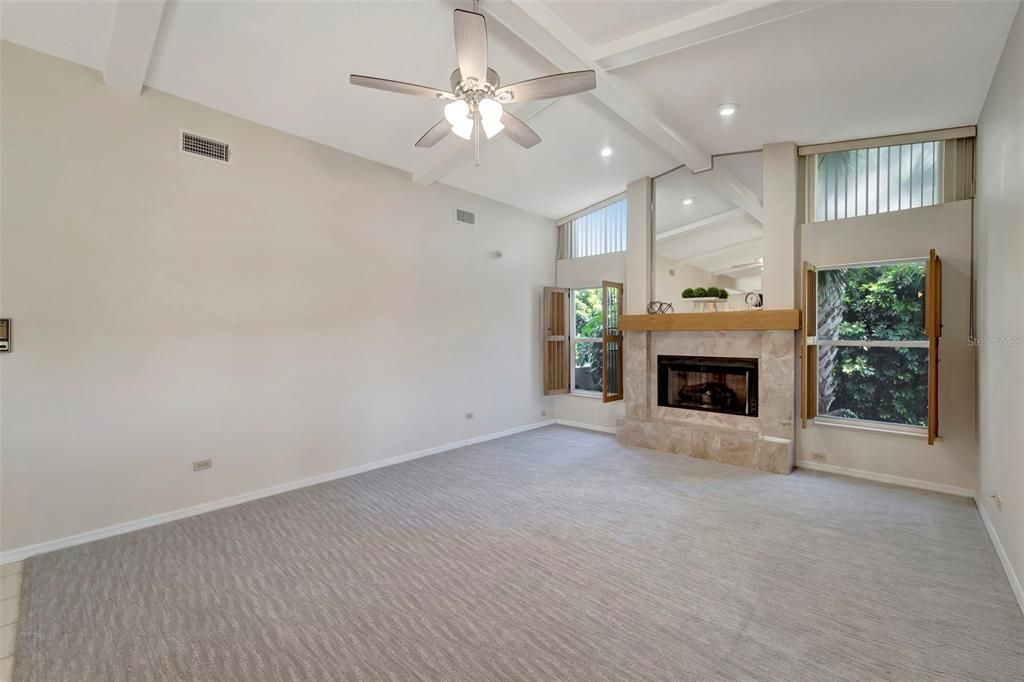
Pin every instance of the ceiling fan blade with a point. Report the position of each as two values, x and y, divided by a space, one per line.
547 87
398 86
471 45
519 132
435 134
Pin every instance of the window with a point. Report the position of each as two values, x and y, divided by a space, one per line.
587 359
588 340
594 232
857 182
872 350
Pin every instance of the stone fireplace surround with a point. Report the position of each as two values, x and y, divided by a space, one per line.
764 442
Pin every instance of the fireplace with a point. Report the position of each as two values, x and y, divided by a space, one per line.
726 385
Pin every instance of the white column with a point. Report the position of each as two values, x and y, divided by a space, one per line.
779 277
638 247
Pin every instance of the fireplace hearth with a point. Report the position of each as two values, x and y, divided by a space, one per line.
724 385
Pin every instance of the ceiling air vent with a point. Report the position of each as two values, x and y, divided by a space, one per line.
465 217
204 146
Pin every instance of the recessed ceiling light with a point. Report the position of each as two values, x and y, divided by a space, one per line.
607 151
687 201
727 109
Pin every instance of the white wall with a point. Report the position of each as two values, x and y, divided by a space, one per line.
582 273
296 312
999 230
671 277
780 242
952 460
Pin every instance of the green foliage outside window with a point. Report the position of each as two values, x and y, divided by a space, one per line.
588 308
873 303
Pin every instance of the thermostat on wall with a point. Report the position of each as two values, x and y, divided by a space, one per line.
5 335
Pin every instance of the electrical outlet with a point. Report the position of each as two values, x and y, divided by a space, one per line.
998 500
818 456
543 413
469 415
202 465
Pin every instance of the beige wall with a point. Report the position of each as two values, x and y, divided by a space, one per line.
780 243
296 312
999 230
951 461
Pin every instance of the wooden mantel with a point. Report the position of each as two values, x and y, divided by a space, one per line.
732 320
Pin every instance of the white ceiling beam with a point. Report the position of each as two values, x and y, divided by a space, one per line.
712 23
544 31
553 39
136 23
440 167
718 252
750 267
702 223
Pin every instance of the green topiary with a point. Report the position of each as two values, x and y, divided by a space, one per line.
723 294
713 292
687 293
700 292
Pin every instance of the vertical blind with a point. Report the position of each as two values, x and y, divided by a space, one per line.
598 231
874 180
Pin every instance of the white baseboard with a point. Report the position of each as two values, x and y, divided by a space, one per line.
20 553
584 425
887 478
1015 585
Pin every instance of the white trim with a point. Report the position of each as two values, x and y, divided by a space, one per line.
1015 585
588 427
887 478
20 553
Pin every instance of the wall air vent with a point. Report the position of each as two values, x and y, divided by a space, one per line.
465 217
204 146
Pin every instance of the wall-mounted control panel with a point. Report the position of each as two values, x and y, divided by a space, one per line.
5 335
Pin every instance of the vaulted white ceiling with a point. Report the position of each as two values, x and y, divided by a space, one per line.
810 71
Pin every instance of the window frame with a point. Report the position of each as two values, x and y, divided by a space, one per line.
813 342
574 339
568 243
953 162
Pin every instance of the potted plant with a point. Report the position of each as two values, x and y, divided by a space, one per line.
712 292
723 294
688 293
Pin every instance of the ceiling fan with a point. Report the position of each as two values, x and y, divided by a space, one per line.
477 98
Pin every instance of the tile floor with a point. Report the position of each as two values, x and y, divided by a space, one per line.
10 595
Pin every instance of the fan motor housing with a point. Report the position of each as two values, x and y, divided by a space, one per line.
492 79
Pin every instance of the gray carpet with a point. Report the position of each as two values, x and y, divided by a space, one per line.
553 554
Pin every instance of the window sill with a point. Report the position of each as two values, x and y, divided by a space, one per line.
873 427
587 394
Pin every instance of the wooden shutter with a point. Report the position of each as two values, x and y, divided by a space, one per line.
556 341
611 365
933 330
809 347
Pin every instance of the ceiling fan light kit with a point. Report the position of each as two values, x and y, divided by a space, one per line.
476 102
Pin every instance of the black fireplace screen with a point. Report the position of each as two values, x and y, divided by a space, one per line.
727 385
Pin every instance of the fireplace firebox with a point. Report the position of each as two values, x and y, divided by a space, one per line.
726 385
